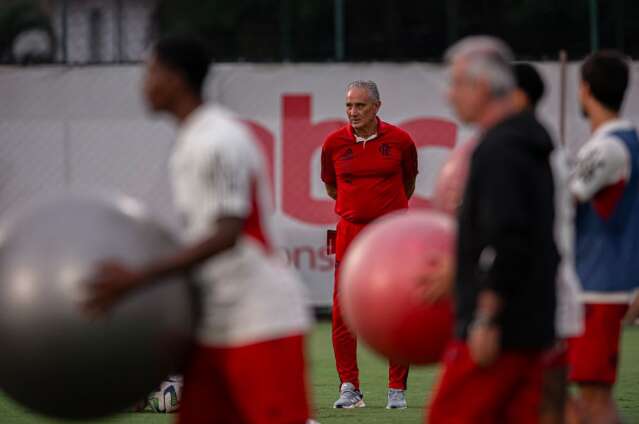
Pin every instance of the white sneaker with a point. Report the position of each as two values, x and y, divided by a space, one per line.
349 397
396 399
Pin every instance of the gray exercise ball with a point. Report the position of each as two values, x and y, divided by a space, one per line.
56 359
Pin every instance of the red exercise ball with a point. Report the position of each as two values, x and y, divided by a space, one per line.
451 180
380 289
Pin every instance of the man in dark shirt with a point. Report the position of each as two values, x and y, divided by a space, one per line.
506 255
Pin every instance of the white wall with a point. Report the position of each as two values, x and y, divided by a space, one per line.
72 127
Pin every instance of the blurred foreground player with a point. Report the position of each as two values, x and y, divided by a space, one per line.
528 92
569 312
248 365
506 254
606 184
369 167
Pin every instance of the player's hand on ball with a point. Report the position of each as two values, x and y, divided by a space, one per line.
437 281
484 343
111 282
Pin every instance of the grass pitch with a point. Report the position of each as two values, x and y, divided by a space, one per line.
373 380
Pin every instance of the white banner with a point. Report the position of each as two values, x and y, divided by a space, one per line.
70 127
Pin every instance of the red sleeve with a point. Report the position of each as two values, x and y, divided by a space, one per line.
328 169
607 199
409 159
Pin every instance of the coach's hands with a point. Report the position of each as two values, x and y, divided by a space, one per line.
112 281
437 280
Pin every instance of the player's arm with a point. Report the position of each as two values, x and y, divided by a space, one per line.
328 174
601 171
438 283
484 334
409 186
228 230
409 167
115 280
224 195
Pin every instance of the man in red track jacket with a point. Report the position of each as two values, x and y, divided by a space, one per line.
369 168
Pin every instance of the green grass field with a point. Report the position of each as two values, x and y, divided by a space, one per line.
373 376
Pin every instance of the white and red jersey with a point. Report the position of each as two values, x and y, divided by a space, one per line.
606 182
603 168
249 294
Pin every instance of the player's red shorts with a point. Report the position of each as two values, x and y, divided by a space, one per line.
262 383
594 355
508 391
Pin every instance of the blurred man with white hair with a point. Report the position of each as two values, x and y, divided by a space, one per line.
507 259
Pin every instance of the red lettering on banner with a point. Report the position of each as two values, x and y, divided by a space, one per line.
429 132
267 142
309 257
299 252
300 139
327 261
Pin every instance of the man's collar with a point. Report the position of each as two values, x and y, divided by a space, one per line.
382 127
359 139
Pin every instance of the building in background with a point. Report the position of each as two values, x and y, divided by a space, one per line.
75 31
26 35
101 31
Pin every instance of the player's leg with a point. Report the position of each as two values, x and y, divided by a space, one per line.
268 382
594 357
553 405
457 377
468 394
205 395
525 405
344 342
598 403
345 350
397 383
397 376
555 385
